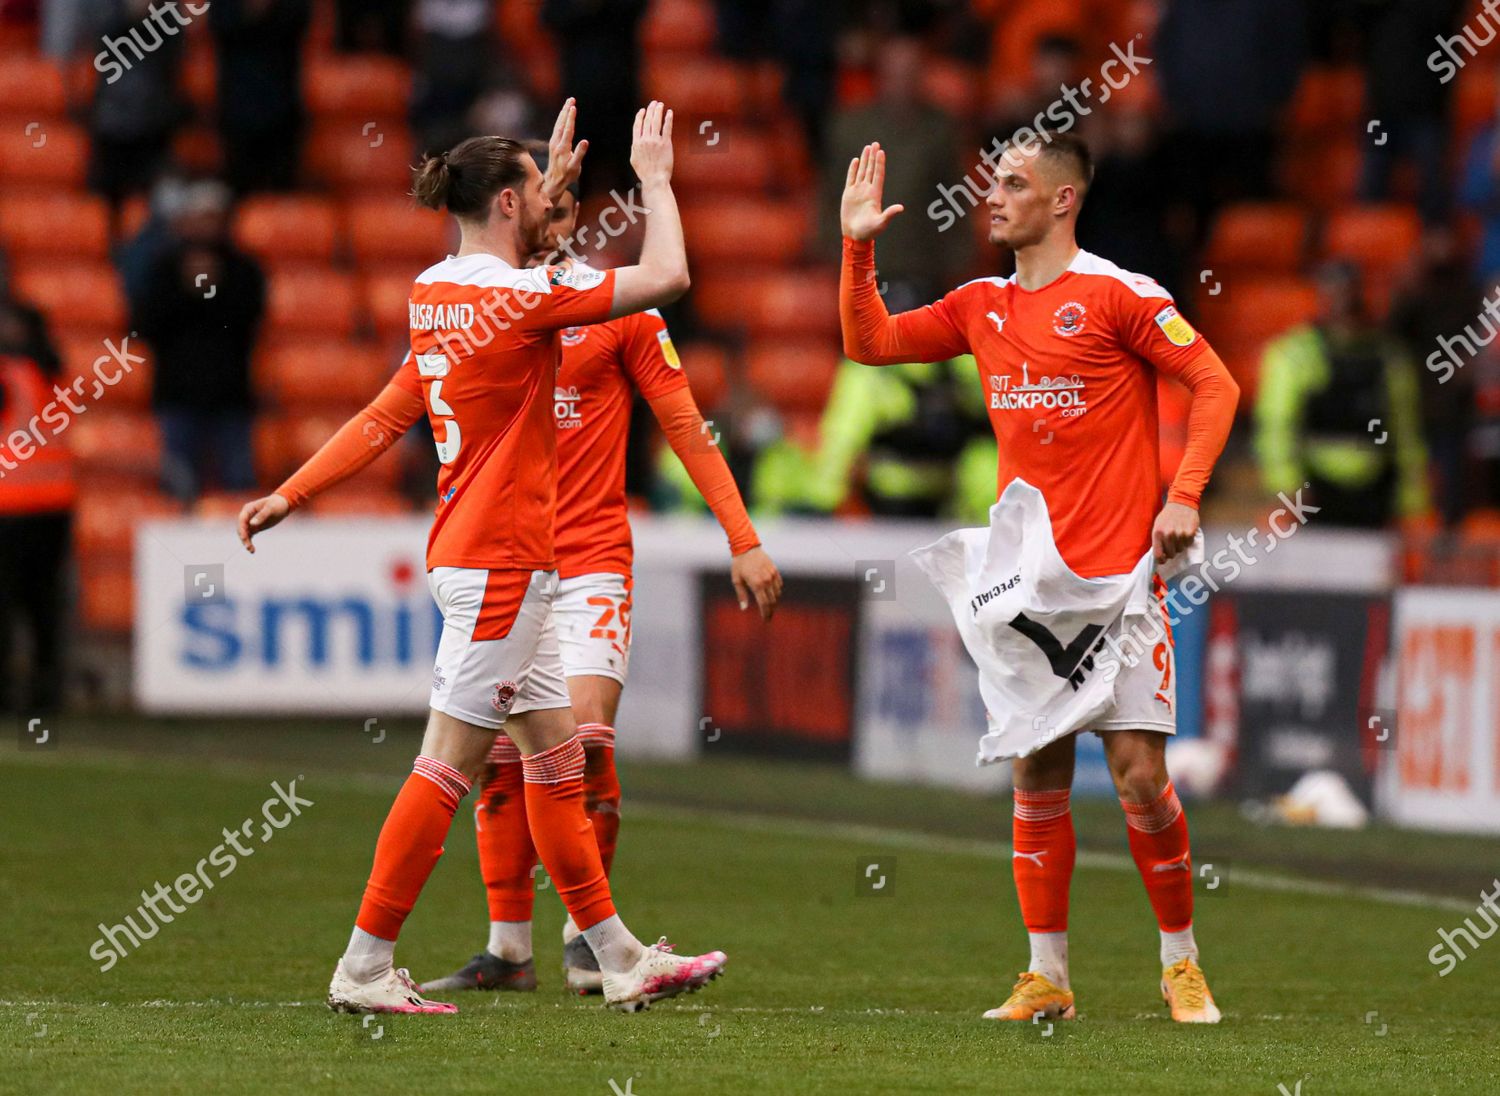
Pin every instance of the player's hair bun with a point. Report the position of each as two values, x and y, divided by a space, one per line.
465 179
432 180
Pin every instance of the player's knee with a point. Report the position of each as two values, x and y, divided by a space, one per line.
1138 779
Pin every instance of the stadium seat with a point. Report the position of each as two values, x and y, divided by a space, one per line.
32 85
1020 27
951 85
372 156
790 303
707 367
200 78
197 149
1377 237
1323 172
106 595
41 154
678 27
796 376
311 376
131 391
283 441
1249 313
104 520
276 228
1328 100
717 89
386 291
312 302
356 86
115 444
393 230
1257 238
77 295
746 230
1474 98
741 159
61 224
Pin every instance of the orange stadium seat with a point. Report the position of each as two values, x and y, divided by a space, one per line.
679 26
779 303
707 367
1474 100
951 85
75 294
276 228
197 149
131 391
308 376
116 444
741 159
1249 313
1322 172
74 225
393 230
370 155
717 89
1257 237
1378 237
747 230
319 302
1328 100
357 86
1020 27
200 78
283 441
43 154
105 519
32 85
106 595
386 293
796 376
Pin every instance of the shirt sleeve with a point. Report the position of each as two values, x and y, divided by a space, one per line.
682 423
553 297
649 355
1151 327
872 336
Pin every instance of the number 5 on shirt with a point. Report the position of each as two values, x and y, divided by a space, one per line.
434 364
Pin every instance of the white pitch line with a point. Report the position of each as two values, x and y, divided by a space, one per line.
999 850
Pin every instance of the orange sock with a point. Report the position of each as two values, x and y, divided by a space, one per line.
1159 842
506 855
601 788
409 846
1042 861
563 834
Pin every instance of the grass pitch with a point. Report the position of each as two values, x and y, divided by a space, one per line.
1314 945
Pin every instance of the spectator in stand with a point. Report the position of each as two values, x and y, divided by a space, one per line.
1409 102
371 25
1055 65
136 109
455 53
1439 298
259 49
1338 409
918 262
1479 193
37 493
799 36
1226 68
598 41
200 311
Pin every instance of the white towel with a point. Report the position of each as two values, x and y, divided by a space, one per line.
1032 626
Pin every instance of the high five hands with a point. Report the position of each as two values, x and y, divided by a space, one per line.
861 214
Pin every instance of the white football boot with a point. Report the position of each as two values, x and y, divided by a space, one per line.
393 991
660 974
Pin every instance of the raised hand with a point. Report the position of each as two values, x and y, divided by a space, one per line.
651 145
564 159
860 213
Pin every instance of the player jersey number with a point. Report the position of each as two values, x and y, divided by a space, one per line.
434 364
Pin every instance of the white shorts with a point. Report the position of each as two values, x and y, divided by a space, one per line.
593 625
1146 692
498 653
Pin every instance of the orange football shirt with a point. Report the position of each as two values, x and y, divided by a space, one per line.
1068 373
602 367
485 351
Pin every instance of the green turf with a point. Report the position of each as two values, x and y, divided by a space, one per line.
828 991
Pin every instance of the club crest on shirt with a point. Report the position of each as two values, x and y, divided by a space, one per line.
567 406
1177 330
572 336
503 697
1069 319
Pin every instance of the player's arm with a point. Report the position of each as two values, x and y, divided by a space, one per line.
651 361
872 336
661 276
1170 344
357 443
